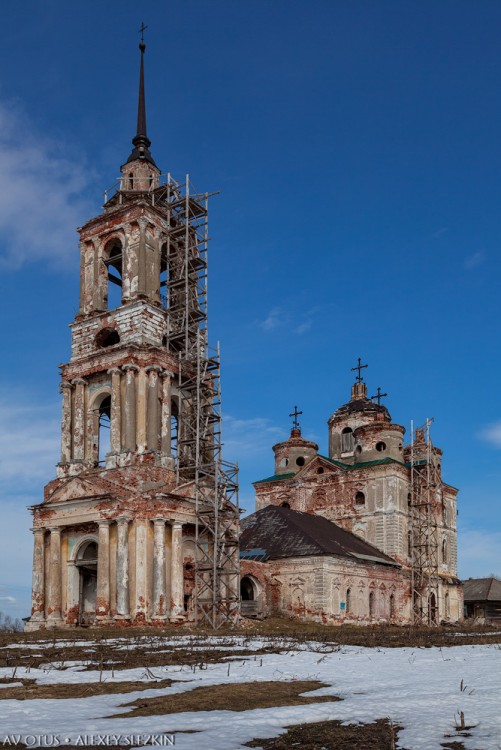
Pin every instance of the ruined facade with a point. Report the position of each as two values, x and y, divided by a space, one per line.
371 485
140 524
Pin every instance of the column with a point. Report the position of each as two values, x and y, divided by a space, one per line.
65 389
141 570
79 419
177 573
130 406
54 603
159 597
103 571
141 411
152 420
116 411
166 412
123 568
38 580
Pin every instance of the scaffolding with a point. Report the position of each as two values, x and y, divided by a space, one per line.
199 445
198 452
425 497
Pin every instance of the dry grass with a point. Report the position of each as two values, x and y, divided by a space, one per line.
31 690
332 735
244 696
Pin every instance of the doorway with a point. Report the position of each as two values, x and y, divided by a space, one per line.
87 568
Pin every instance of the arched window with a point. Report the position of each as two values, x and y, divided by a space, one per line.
347 440
447 605
285 505
131 181
392 606
104 429
163 277
360 498
444 551
174 427
371 604
348 601
113 261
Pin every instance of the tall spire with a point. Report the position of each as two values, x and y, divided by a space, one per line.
141 141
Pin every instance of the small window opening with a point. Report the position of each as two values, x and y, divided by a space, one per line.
348 601
285 505
409 499
107 337
360 498
186 602
347 440
392 606
300 461
381 446
164 340
358 449
320 470
131 181
104 429
447 605
444 551
371 604
284 462
409 543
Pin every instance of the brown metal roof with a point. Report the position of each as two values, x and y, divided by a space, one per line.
482 590
283 532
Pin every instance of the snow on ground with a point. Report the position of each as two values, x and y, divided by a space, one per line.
421 690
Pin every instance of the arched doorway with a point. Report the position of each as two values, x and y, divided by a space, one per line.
249 596
432 611
86 563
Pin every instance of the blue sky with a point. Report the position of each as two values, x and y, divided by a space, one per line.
357 150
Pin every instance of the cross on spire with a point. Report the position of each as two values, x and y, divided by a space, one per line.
378 396
359 367
295 422
142 30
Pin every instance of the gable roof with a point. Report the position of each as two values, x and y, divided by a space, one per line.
482 589
282 532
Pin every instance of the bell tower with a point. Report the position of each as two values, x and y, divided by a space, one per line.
141 522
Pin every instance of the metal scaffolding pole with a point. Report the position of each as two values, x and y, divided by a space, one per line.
198 450
426 491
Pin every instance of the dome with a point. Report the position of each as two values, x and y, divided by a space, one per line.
360 404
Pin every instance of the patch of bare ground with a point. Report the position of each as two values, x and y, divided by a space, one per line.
332 735
453 745
386 636
243 696
31 690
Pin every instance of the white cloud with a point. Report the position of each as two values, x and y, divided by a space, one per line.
478 553
473 261
276 319
245 438
41 202
491 433
303 327
8 599
29 443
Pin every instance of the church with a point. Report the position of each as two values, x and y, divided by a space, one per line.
141 524
366 534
